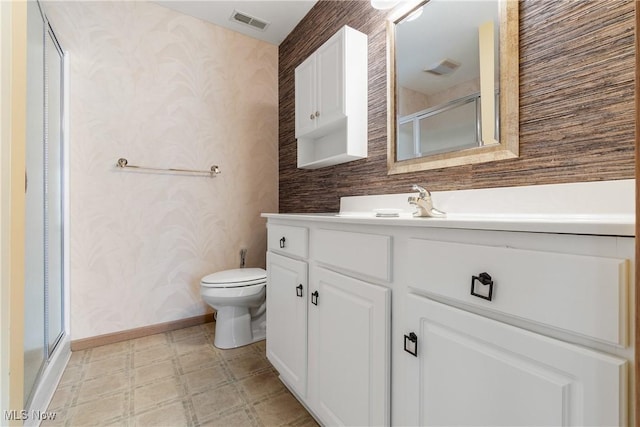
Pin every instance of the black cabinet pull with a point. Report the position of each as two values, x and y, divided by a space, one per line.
485 280
314 298
411 344
282 242
299 290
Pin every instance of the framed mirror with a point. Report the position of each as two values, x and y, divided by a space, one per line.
452 84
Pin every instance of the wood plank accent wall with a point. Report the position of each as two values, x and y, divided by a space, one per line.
577 111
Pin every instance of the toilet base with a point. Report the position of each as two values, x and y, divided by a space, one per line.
235 327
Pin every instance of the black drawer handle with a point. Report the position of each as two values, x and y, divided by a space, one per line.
485 280
411 344
314 298
282 242
299 290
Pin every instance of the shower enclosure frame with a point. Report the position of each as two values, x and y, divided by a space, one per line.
56 347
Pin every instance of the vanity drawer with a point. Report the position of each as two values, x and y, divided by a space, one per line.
362 253
586 295
288 239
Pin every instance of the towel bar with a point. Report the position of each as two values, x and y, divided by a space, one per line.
124 163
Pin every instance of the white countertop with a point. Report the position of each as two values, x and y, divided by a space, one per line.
611 225
597 208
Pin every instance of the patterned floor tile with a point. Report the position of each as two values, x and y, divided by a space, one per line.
174 379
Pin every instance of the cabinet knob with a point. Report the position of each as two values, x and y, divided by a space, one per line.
314 298
317 113
312 116
282 241
299 290
485 280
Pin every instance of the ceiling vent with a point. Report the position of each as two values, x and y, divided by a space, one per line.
246 19
442 68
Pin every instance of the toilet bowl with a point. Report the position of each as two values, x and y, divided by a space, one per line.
239 298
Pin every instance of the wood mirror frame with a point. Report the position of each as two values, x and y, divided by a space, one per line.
508 145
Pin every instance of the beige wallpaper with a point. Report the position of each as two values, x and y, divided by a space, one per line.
166 90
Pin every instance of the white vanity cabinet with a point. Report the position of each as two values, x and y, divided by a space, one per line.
330 340
287 290
445 322
331 102
287 319
349 327
349 360
471 370
515 329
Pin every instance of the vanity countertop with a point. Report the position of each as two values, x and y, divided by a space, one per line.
596 208
609 225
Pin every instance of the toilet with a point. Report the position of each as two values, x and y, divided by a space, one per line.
239 298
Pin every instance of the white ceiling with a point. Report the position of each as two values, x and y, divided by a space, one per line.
282 15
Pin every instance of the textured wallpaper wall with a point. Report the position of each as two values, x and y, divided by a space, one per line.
166 90
577 111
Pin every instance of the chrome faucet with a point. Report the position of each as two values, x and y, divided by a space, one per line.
424 203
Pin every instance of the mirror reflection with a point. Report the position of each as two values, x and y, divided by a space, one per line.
440 88
447 88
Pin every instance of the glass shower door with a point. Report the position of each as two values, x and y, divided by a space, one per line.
34 292
44 303
53 188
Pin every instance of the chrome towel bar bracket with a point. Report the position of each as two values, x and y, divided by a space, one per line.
124 163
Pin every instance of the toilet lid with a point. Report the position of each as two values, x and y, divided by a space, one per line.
235 278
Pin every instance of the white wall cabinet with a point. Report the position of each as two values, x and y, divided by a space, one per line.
331 102
320 85
305 90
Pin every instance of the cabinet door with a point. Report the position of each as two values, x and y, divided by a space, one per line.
471 370
287 319
305 96
348 350
330 77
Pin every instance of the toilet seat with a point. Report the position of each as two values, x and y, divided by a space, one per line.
232 292
236 278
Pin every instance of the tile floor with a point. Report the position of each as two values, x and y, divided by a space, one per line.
176 378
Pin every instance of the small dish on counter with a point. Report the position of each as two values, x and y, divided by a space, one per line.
387 213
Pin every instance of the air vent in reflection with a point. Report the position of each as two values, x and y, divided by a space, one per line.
442 68
249 20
